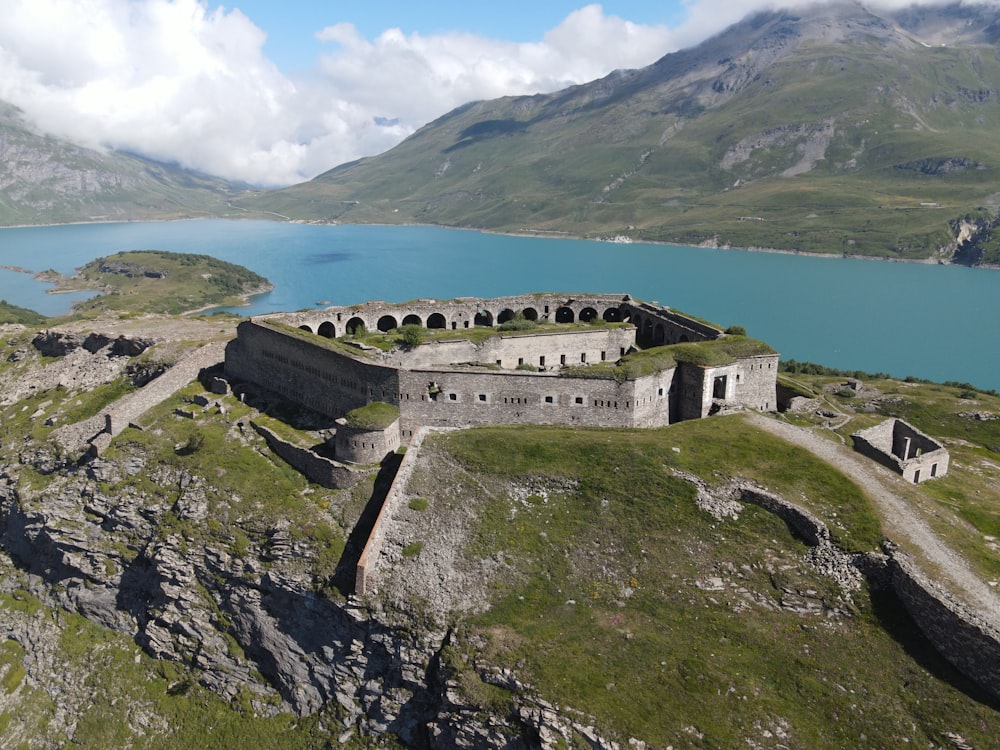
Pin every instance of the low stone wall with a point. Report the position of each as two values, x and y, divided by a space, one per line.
800 520
322 471
964 639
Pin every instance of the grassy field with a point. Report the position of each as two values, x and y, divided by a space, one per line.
623 600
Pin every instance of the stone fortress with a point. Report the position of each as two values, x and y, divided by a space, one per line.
535 376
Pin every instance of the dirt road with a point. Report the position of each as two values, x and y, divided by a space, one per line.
899 520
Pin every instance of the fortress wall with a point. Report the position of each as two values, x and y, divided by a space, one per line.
359 446
694 397
322 471
508 350
323 380
490 397
970 644
652 397
755 384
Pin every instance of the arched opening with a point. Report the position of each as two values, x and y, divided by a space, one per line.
355 327
387 323
484 318
613 315
530 313
327 330
413 320
436 320
505 315
304 327
587 314
565 315
684 337
645 331
659 337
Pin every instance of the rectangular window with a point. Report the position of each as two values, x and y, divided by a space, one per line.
541 361
499 362
548 399
933 470
482 396
520 360
562 359
661 392
453 397
579 399
583 357
604 356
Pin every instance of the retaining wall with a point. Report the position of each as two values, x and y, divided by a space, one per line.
964 639
322 471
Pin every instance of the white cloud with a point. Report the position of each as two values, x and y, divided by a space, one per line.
175 81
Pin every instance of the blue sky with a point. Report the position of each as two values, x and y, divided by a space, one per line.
291 26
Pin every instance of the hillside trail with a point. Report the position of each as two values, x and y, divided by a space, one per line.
899 519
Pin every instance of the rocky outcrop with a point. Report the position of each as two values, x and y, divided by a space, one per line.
249 624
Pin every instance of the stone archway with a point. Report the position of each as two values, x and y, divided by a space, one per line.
505 315
587 314
436 320
413 320
386 323
530 313
355 327
484 318
565 315
612 315
659 335
327 330
304 327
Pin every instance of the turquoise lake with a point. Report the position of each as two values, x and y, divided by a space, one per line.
930 321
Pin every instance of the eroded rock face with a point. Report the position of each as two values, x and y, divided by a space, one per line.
61 343
57 343
246 624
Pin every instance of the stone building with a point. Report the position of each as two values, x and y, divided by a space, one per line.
904 449
548 376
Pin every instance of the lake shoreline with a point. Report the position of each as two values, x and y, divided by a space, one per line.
527 233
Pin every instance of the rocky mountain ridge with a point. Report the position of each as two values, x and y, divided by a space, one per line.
45 180
834 128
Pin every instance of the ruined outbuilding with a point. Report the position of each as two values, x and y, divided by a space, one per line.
904 449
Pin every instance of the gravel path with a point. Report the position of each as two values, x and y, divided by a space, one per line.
899 519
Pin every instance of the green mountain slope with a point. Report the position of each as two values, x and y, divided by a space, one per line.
45 180
837 129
